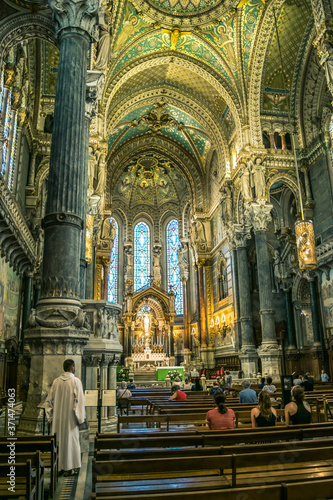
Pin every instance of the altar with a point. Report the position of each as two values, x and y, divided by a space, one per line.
148 359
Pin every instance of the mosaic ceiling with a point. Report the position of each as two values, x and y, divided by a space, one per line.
152 180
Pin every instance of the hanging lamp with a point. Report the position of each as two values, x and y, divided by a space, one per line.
304 231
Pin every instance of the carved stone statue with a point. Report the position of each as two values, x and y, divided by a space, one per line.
226 202
157 265
91 169
101 175
326 60
104 43
258 172
245 183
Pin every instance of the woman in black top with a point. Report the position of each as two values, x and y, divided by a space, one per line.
263 415
298 411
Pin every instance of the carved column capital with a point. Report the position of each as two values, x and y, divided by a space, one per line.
76 15
259 215
241 234
94 89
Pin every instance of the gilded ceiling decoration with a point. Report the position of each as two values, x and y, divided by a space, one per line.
150 180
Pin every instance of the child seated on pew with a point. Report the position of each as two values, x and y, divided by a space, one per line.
177 394
263 415
221 417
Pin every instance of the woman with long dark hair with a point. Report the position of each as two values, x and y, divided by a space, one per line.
263 415
221 417
298 411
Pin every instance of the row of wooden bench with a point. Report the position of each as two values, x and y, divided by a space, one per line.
29 466
195 464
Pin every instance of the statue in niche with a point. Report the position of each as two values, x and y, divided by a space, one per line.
156 264
104 42
226 204
101 175
278 271
326 60
108 233
91 169
259 181
245 182
198 235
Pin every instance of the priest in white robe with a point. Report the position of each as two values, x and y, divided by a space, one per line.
65 411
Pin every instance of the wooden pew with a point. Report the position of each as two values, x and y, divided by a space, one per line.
37 465
25 481
307 490
48 447
269 467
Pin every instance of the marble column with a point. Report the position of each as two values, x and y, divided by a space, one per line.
202 306
112 385
259 215
235 288
26 305
91 364
283 140
248 353
290 318
106 265
104 384
314 308
271 140
57 329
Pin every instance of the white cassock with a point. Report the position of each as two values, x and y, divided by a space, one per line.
65 407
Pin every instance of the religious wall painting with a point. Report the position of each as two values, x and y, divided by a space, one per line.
327 298
50 61
275 100
132 24
251 13
9 300
223 37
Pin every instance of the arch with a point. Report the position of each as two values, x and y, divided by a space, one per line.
142 257
19 27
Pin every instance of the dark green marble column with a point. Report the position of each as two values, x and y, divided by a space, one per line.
290 319
314 311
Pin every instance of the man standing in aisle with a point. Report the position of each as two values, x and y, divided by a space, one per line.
65 411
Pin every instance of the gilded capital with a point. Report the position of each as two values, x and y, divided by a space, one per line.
76 15
259 215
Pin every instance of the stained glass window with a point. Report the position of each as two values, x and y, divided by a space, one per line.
173 274
6 132
2 86
12 155
113 269
141 256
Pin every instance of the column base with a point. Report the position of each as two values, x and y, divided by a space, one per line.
249 359
270 354
49 348
203 355
210 356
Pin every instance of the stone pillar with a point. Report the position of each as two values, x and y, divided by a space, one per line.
308 195
314 308
32 168
248 353
104 384
283 140
184 275
112 385
91 363
57 329
235 288
290 318
271 140
202 306
26 301
106 265
172 347
269 352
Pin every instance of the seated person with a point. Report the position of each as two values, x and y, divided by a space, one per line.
177 394
262 383
324 377
123 393
214 389
247 395
263 415
269 387
197 386
221 417
298 411
130 384
306 384
297 380
187 385
227 381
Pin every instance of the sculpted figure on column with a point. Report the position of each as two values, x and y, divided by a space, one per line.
258 172
326 59
101 175
245 182
104 43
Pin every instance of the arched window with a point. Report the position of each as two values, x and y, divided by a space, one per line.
7 112
141 256
173 274
113 269
12 155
